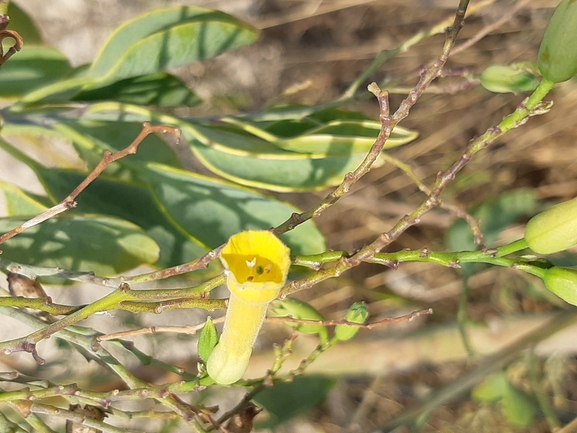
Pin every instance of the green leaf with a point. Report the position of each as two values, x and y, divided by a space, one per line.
357 313
242 157
283 175
24 25
509 78
495 215
159 89
130 202
211 211
285 400
517 408
168 38
492 388
345 137
32 68
207 340
59 91
301 310
102 244
19 202
92 138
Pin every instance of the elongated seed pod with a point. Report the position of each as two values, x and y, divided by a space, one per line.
562 282
554 229
558 51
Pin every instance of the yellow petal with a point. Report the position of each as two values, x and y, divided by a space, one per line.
256 266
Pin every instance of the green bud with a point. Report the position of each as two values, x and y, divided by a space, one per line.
508 78
554 229
558 51
562 282
298 309
207 340
357 313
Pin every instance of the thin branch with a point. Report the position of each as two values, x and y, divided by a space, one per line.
387 55
388 122
383 322
505 18
190 330
18 42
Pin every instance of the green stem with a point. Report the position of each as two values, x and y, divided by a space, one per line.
511 248
516 118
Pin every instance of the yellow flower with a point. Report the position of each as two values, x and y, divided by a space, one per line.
256 265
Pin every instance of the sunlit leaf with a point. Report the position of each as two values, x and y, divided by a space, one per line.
19 203
32 68
168 38
102 244
279 175
92 138
130 202
345 137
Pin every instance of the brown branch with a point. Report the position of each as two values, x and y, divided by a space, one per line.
191 330
387 321
387 124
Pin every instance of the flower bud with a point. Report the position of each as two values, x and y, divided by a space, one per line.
508 78
562 282
558 51
300 310
357 313
554 229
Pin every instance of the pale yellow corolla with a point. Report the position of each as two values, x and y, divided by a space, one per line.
256 265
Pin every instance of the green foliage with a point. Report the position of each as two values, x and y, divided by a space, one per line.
553 230
300 310
168 38
558 51
160 89
96 243
285 400
357 313
508 78
207 340
562 282
494 216
148 208
34 67
516 406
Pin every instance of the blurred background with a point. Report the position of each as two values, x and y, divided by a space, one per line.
309 52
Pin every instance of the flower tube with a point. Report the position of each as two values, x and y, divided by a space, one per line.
256 266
